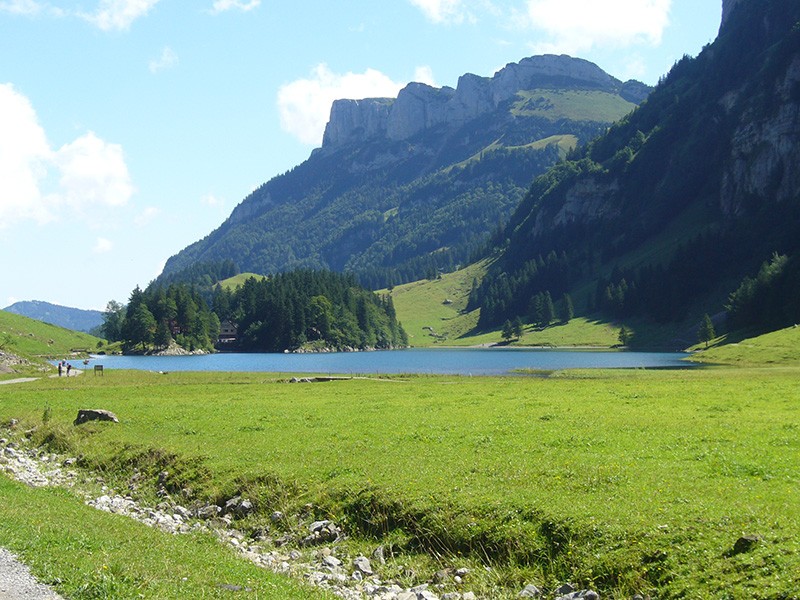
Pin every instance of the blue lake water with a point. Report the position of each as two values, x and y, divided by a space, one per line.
449 361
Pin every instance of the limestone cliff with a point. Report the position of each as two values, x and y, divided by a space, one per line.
421 107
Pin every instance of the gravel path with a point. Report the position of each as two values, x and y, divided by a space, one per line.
17 583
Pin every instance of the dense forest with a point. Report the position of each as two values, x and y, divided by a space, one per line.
310 310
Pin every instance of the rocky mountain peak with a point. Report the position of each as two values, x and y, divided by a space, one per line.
419 107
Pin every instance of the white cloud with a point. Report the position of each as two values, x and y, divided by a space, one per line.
24 155
93 172
119 14
147 216
225 5
102 246
443 11
305 104
212 201
21 7
424 74
574 26
37 182
167 60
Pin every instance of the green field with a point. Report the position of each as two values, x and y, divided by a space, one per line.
626 482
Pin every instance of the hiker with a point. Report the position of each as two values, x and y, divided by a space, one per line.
69 368
60 367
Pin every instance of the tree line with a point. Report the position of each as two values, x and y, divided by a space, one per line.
288 311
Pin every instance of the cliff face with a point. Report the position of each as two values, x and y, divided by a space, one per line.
765 150
727 9
420 107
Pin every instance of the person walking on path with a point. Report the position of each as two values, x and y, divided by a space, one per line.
60 367
69 368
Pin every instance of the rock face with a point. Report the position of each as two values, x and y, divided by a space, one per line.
420 107
765 151
727 9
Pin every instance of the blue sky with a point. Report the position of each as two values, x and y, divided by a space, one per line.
131 128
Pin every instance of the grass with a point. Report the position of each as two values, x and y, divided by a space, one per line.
577 105
629 482
775 348
88 553
238 280
434 313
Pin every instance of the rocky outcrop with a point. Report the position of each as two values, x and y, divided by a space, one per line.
765 151
420 107
727 9
357 120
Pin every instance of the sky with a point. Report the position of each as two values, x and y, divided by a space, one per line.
130 129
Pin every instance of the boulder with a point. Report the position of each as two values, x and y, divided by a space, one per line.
94 414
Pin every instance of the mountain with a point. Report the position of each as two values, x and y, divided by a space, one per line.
70 318
402 187
665 215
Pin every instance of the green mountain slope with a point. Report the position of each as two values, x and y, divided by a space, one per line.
662 217
34 340
403 188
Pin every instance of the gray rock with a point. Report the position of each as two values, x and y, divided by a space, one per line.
94 414
331 561
745 544
362 564
469 596
530 591
565 589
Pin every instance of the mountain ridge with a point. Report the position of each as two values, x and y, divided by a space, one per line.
397 203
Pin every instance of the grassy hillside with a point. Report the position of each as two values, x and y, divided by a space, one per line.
433 313
37 340
580 105
233 282
634 482
776 348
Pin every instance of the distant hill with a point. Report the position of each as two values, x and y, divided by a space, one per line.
665 215
70 318
403 187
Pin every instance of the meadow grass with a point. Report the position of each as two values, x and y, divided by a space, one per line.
776 348
628 482
87 553
434 313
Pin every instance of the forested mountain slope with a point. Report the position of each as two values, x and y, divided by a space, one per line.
403 187
664 216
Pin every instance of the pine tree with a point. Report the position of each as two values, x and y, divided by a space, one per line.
508 331
517 328
706 331
566 309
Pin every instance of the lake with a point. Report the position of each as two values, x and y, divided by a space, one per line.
444 361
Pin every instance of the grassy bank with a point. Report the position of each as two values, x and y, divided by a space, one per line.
622 481
87 553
